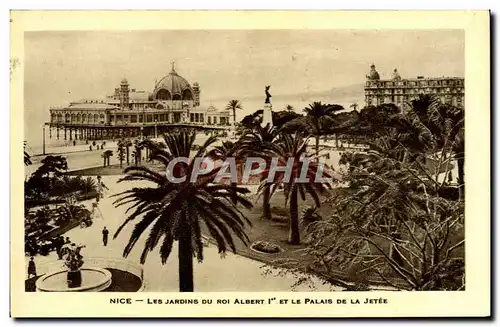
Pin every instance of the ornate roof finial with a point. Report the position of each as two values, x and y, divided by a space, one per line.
173 65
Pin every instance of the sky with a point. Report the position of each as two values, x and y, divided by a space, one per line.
228 64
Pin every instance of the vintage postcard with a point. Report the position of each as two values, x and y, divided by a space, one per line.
250 164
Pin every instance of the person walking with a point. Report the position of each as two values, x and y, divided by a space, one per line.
105 233
31 268
59 245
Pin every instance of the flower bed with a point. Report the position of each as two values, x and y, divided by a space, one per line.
266 247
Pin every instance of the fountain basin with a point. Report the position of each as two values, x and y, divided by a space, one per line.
94 279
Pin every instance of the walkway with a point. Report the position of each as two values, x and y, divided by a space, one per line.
215 274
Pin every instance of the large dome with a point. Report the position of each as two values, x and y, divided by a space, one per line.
173 87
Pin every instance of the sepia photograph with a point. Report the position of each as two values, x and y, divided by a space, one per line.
244 160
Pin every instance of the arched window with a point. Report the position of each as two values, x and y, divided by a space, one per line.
176 97
102 118
79 118
73 118
163 95
84 118
209 120
53 118
96 118
187 95
159 106
59 118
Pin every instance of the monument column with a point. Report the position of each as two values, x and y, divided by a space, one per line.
268 109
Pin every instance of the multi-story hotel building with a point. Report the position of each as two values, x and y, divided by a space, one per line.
399 90
128 112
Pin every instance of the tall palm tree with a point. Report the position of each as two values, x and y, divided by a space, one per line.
233 105
120 153
261 142
177 211
295 146
354 106
127 144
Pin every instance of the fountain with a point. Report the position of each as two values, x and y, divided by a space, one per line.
95 275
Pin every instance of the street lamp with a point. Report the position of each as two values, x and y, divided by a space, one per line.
156 134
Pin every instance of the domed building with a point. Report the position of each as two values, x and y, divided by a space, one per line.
173 102
399 91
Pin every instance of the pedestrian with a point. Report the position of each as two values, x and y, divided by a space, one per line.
105 233
59 244
31 268
90 147
74 143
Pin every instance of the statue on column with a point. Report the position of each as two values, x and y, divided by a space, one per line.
268 95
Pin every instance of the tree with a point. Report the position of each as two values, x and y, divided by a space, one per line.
354 106
120 153
280 118
233 105
176 211
289 107
127 144
137 151
52 166
318 117
444 127
226 150
394 225
106 155
295 147
27 157
261 142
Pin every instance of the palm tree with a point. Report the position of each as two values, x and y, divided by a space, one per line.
261 142
233 105
120 152
440 128
137 152
221 152
27 157
318 117
127 144
295 146
354 106
289 107
106 155
176 211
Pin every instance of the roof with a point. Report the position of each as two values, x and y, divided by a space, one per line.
95 106
174 83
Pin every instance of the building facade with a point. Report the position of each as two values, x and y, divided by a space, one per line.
399 91
174 102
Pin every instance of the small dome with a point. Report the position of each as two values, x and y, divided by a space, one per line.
211 108
395 74
173 87
124 81
373 74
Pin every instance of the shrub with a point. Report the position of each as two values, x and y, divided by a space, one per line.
266 247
